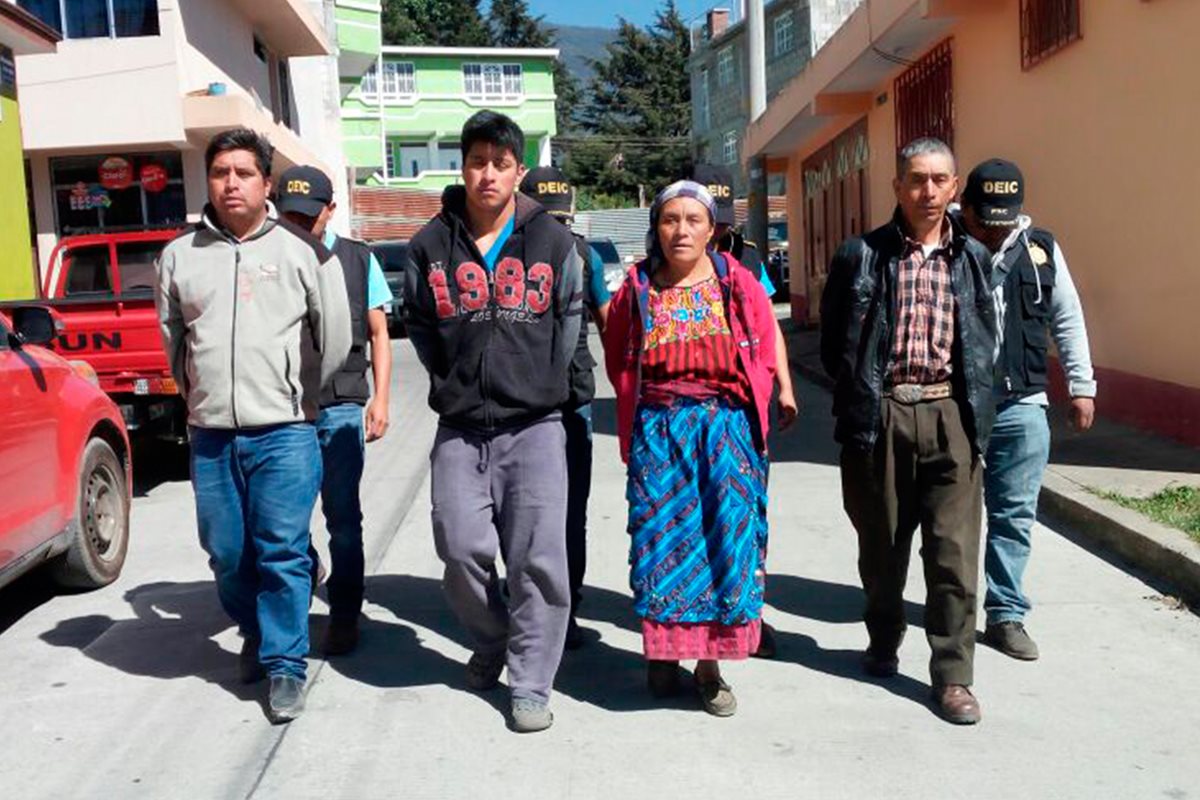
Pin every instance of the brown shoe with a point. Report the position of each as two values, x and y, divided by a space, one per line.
956 704
717 697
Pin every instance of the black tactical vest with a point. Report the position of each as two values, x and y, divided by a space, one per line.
1028 290
349 385
579 374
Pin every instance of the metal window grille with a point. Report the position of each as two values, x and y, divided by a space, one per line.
925 98
731 148
493 81
725 67
370 82
785 34
1047 26
399 79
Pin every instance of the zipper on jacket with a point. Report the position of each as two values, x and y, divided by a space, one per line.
287 373
237 270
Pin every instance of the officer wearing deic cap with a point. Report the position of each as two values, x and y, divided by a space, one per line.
550 187
1033 292
726 239
305 198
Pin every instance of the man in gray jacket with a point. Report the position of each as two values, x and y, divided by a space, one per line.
1034 296
255 320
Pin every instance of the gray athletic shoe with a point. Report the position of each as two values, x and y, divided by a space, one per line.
286 699
1011 639
530 716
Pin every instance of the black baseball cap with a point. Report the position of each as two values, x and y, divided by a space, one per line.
996 191
303 190
550 187
719 182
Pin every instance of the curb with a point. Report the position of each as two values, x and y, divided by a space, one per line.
1162 553
1157 550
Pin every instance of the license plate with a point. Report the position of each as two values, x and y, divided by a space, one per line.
141 386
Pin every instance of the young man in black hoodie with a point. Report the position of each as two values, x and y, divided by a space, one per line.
494 305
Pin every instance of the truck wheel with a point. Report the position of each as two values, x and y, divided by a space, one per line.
97 550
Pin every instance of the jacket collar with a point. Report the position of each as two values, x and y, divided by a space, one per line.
210 221
454 208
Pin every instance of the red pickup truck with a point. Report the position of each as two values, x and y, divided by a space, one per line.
101 286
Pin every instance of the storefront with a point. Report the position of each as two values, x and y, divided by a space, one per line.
118 191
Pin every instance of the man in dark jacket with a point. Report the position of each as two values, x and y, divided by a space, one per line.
907 333
493 291
350 413
551 189
1034 295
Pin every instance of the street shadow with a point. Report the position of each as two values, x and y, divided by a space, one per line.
804 651
169 638
24 595
157 462
823 601
598 674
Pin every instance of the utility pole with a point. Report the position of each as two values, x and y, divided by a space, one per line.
757 165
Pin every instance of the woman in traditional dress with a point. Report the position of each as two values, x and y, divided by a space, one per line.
690 348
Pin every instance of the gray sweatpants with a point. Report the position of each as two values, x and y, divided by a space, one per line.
506 494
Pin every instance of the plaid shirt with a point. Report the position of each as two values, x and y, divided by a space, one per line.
924 331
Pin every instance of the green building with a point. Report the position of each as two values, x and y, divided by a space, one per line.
21 33
401 118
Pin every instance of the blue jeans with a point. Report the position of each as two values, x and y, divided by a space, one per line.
1016 458
340 432
255 492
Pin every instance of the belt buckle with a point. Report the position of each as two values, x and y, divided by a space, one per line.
908 393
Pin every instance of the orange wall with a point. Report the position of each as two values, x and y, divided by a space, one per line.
1105 132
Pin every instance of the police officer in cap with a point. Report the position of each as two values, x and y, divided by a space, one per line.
550 187
305 198
1033 293
726 239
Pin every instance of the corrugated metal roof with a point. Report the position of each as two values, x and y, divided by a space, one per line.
626 227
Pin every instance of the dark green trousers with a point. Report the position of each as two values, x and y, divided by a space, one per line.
923 473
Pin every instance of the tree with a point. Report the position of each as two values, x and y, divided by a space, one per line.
436 23
512 26
639 115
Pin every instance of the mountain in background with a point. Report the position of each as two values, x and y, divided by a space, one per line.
580 45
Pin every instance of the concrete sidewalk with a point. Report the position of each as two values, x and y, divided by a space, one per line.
1108 458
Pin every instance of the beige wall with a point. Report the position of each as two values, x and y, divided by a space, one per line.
1105 132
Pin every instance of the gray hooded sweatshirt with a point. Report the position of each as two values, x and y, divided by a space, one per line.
254 328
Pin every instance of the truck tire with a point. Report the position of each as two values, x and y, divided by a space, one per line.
101 538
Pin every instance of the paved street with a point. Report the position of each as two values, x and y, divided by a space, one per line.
131 691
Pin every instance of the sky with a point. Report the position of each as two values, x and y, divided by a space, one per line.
604 13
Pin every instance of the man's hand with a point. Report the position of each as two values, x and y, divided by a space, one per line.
788 408
377 418
1083 413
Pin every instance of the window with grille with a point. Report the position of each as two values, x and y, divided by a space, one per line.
97 19
399 79
785 34
731 148
1047 26
370 82
725 67
493 81
925 99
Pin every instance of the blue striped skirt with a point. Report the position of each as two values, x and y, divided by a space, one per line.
697 494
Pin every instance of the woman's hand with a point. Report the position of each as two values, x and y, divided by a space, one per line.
788 408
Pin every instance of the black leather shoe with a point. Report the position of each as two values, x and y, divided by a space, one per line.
880 665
